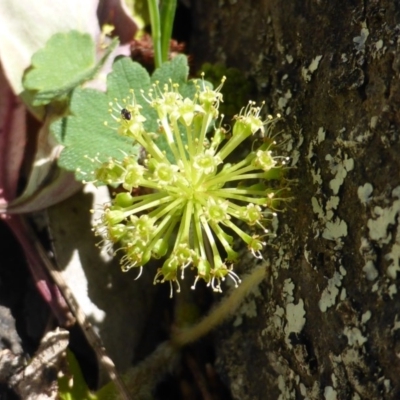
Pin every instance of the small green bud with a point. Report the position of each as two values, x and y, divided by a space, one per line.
123 199
160 248
169 269
114 217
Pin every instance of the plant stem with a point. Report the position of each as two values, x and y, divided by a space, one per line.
167 11
155 31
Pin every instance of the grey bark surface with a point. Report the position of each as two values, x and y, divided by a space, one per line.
326 325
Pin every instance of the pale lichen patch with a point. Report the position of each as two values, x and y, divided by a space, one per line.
282 262
359 41
288 142
340 167
294 313
396 324
289 58
306 72
248 309
379 44
321 135
277 318
330 393
364 137
392 290
310 393
366 317
286 389
378 49
354 336
314 64
287 291
387 385
283 101
316 177
364 193
295 156
373 122
369 255
378 227
394 256
295 317
371 273
379 231
330 293
335 229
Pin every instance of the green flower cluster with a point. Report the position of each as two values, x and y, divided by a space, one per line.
184 210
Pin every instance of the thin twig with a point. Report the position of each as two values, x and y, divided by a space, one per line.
142 379
221 311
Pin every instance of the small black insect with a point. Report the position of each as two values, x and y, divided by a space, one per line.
125 114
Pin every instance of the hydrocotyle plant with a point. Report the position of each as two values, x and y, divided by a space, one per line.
185 202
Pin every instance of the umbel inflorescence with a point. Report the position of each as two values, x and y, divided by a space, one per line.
187 209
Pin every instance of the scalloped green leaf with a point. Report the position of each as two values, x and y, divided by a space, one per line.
67 60
84 134
176 70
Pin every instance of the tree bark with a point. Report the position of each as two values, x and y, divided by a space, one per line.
326 324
